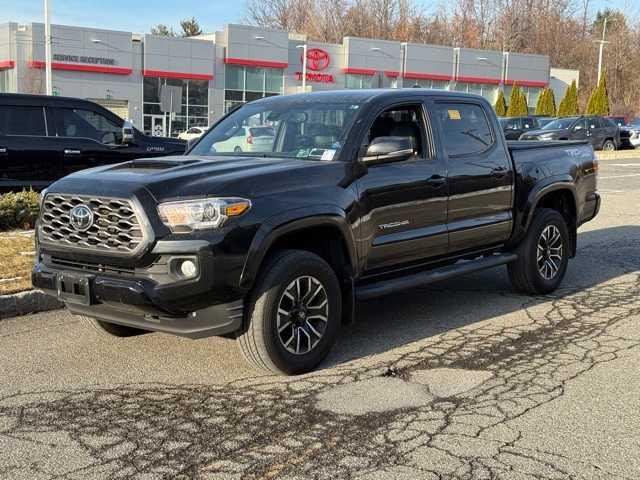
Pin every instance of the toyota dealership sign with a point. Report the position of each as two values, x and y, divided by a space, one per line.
317 61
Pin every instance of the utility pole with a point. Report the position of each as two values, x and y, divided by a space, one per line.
304 66
47 50
602 42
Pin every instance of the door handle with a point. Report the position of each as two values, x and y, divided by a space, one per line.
71 152
498 172
3 150
436 181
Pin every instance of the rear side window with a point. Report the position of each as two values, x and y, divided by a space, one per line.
15 120
464 128
87 124
262 131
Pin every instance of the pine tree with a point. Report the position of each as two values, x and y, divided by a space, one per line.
501 105
163 31
515 102
569 104
599 99
523 108
546 104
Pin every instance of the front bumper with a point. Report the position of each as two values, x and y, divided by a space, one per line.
128 302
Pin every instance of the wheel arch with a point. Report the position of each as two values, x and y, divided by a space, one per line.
560 196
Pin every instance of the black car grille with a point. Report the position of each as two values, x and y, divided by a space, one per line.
115 227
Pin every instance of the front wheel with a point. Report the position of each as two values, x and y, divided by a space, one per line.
543 256
293 314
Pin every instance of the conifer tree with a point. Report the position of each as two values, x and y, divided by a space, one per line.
501 104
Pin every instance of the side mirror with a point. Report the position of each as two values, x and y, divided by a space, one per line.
128 135
577 127
388 149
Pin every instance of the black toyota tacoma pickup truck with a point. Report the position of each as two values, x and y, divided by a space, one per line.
352 195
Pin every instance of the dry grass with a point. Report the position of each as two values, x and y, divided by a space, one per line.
16 260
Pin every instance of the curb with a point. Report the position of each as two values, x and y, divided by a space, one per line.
618 155
23 303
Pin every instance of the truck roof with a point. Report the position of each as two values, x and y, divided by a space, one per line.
365 95
25 99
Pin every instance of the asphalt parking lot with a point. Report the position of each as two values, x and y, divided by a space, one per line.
463 379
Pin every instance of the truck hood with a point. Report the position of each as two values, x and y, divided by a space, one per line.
183 176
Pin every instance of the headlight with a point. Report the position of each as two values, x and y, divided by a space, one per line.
182 217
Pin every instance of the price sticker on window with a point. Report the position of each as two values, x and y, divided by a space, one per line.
454 114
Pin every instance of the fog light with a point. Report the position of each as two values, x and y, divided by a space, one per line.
188 269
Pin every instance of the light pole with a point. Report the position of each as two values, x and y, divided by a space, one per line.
48 80
601 48
304 65
403 69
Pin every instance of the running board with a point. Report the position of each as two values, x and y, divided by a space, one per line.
384 287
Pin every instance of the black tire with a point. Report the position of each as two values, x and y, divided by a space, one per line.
259 339
608 145
237 149
111 329
525 274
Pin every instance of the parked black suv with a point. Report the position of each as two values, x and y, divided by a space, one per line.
601 133
514 127
357 195
44 138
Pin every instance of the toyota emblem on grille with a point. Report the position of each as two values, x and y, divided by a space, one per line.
81 217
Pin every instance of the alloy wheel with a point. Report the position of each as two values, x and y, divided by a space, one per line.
303 312
549 252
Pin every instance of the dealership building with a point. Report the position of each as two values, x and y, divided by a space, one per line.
129 73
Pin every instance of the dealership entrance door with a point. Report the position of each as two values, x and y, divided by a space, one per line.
159 125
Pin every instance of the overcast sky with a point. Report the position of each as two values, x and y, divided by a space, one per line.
138 16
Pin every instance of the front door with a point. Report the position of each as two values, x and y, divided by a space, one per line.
403 204
158 125
480 176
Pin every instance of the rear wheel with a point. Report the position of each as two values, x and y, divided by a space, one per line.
608 145
111 329
237 149
293 314
543 255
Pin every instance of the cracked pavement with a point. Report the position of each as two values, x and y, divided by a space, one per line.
461 380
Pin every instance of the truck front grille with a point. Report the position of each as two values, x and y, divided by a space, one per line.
113 227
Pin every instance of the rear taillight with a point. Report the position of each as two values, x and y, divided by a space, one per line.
250 140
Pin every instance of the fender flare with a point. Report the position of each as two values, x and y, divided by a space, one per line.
275 227
551 184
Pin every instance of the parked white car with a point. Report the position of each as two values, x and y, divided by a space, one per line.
248 139
193 133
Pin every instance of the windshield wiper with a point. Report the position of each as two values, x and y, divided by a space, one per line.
475 137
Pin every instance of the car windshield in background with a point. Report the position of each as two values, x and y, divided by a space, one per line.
305 129
559 124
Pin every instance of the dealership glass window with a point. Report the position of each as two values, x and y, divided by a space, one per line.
358 81
244 84
194 106
488 91
3 81
427 83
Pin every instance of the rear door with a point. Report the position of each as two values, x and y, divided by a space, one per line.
403 204
28 158
480 176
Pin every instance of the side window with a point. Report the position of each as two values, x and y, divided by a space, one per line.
406 121
580 125
464 128
87 124
15 120
593 123
512 124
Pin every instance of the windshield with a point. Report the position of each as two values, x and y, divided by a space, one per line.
304 128
560 123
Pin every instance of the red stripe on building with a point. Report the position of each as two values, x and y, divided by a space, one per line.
82 68
255 63
180 75
494 81
427 76
526 83
392 73
6 64
359 71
